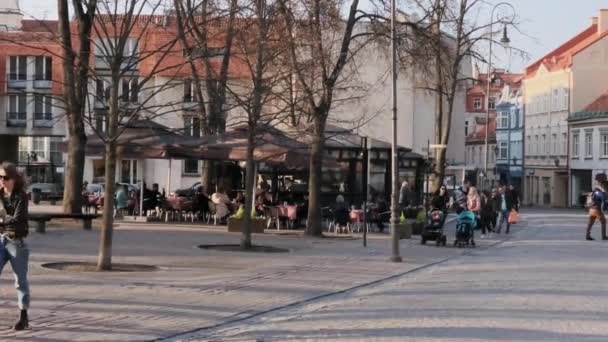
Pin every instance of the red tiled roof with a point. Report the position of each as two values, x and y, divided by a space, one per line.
599 104
561 57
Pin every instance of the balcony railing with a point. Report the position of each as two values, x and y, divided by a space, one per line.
16 81
16 119
43 84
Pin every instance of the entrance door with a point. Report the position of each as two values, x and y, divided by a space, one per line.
128 171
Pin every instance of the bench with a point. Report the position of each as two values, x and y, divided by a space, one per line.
42 218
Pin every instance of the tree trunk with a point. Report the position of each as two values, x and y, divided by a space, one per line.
249 194
104 262
72 195
314 225
206 176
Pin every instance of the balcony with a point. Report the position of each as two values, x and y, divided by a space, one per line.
16 119
43 120
16 81
189 104
43 84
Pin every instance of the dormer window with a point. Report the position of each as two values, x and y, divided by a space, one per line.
477 103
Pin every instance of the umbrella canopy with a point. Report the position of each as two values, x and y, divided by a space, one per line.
144 140
272 146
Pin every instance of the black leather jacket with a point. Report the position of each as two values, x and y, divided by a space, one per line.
16 207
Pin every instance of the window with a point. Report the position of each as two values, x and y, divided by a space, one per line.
543 146
566 94
44 68
18 68
38 147
496 82
536 146
555 100
473 153
102 90
528 144
190 91
492 103
575 145
101 123
547 142
554 143
564 144
43 107
192 128
17 104
129 90
55 151
481 154
604 143
588 144
503 150
477 103
503 121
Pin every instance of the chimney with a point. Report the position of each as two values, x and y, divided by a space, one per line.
593 20
602 24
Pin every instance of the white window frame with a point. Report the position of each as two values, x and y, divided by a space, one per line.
20 112
564 144
555 100
503 120
503 150
47 68
15 75
566 99
588 144
554 144
477 103
46 105
576 144
604 143
492 102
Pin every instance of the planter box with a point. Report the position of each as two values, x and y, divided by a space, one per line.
405 231
236 225
417 228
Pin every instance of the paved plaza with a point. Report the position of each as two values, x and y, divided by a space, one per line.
542 283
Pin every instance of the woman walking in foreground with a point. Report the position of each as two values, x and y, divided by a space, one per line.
13 230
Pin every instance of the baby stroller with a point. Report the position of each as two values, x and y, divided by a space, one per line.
433 230
465 233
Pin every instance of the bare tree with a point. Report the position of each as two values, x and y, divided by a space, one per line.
202 25
451 37
126 64
76 59
319 43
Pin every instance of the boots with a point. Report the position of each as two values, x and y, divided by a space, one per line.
23 322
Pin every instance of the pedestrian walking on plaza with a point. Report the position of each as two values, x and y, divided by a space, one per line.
13 231
474 201
515 197
460 197
597 206
487 216
503 206
404 196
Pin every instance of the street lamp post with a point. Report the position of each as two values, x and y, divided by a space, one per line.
504 40
395 257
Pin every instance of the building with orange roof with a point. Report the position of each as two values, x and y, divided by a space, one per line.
475 118
559 89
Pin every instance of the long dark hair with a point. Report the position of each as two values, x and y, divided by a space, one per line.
11 171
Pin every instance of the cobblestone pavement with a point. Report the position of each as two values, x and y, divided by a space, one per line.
195 289
543 284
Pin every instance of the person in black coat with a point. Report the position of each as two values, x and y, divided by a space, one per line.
13 231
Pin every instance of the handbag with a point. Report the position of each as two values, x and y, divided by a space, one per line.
513 217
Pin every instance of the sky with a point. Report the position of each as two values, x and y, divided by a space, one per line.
545 24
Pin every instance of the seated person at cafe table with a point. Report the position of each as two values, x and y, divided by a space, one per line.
221 201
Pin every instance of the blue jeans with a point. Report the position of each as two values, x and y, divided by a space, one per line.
503 217
17 253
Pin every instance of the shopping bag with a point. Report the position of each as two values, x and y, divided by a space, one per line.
513 217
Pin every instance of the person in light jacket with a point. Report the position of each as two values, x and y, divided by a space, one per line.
13 231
